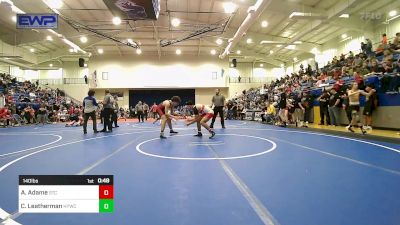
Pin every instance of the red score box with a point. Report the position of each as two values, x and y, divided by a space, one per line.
106 192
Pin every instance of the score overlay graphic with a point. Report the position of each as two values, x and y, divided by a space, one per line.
66 194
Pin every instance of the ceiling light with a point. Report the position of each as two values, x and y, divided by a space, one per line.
392 13
130 41
229 7
14 18
138 51
213 52
344 36
178 52
295 59
232 65
297 42
71 50
90 54
51 65
85 65
100 51
271 52
315 51
249 41
264 24
219 41
116 20
238 52
49 38
282 65
278 46
54 4
344 15
84 39
261 65
175 22
32 50
310 59
291 47
75 50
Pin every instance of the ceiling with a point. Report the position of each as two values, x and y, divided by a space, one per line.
195 14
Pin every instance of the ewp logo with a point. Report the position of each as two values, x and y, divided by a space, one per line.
37 21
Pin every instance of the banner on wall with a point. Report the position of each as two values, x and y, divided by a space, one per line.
135 9
93 79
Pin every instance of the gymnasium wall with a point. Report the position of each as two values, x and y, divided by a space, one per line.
383 117
149 72
204 95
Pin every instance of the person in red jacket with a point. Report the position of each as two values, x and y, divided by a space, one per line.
5 115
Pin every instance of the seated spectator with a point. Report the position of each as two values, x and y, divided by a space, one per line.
387 67
41 114
75 118
29 114
374 68
269 113
6 116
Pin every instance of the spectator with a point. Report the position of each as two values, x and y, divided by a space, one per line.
41 114
114 116
334 107
371 104
384 39
269 113
5 115
145 110
323 108
90 106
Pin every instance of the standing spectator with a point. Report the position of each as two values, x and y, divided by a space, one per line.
384 39
2 100
114 116
108 110
307 102
90 105
371 104
145 110
368 47
218 101
334 107
86 80
396 42
283 110
139 111
323 108
153 110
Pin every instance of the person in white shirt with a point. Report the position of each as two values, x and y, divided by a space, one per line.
202 114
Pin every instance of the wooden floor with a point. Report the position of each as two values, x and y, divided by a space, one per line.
376 132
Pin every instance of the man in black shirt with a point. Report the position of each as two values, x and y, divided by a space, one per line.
307 102
334 107
323 108
370 105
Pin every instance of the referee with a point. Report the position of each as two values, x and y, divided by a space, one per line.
218 101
